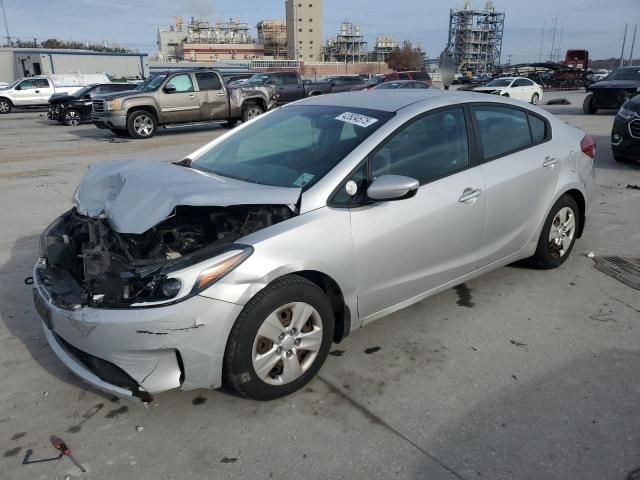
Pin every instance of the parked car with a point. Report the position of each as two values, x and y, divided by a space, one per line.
402 84
344 83
76 108
614 91
218 270
289 86
519 88
374 81
625 135
36 91
179 97
409 75
600 74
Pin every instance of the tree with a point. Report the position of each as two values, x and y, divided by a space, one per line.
406 58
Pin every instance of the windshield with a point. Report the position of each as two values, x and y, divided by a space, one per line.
82 91
152 83
499 82
389 86
292 147
625 74
258 79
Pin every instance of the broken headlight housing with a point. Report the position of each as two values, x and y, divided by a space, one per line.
181 284
626 114
111 105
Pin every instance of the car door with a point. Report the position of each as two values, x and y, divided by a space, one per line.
407 247
521 89
179 100
44 89
293 86
214 100
521 166
26 93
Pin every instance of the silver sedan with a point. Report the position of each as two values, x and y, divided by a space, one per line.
244 262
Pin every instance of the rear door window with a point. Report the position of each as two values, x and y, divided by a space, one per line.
290 79
521 82
404 76
539 129
42 83
419 75
502 130
208 81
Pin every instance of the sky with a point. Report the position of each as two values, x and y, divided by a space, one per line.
595 25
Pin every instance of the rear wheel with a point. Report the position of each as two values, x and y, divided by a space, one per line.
588 106
535 98
280 340
251 111
5 106
558 234
71 117
141 124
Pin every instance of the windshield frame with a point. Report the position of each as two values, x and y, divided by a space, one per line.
625 71
197 159
144 86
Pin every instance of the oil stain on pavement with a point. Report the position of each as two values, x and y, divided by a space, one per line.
464 296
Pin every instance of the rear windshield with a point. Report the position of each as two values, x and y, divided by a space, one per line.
293 146
625 74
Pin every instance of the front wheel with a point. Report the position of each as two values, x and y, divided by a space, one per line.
249 112
535 98
558 234
141 124
280 340
71 117
588 106
5 106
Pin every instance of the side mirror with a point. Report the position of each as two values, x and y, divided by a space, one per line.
18 87
393 187
169 88
270 82
87 96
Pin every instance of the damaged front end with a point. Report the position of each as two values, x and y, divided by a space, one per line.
87 263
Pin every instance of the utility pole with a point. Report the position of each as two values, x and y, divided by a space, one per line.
553 41
6 26
624 41
560 41
633 44
509 58
544 24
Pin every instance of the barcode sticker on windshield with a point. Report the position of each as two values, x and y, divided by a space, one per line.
357 119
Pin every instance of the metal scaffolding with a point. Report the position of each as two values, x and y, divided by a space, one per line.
348 46
384 46
475 38
273 35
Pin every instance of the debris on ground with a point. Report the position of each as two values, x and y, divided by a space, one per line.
558 101
591 255
228 460
518 344
633 187
336 353
139 428
59 444
371 350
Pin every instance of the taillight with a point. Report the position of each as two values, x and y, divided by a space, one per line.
588 146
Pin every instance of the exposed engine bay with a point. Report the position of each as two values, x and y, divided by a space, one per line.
88 263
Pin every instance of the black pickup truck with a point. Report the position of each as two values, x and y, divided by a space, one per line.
613 91
71 109
289 86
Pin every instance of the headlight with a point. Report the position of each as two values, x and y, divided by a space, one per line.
195 278
112 105
626 114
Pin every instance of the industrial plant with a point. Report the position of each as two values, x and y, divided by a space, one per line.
348 46
475 38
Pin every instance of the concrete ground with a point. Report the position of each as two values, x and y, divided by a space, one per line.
520 374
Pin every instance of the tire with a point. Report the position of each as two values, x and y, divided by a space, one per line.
548 254
286 366
588 106
5 106
535 98
141 124
71 117
251 111
619 158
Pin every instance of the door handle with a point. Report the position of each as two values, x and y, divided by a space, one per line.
190 97
549 162
37 91
469 194
220 94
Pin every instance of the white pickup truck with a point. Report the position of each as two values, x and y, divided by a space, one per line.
36 91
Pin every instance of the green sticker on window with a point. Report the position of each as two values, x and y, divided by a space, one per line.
303 179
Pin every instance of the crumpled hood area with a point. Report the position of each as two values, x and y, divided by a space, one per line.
136 195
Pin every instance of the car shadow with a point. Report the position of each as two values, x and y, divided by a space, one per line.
88 132
604 156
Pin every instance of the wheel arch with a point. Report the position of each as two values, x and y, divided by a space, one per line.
261 102
580 200
147 108
7 99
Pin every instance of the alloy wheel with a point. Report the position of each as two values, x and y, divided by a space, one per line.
4 106
143 125
72 118
535 98
563 229
253 113
287 343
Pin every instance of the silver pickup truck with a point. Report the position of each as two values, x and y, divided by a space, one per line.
179 97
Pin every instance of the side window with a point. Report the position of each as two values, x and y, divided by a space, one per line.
27 84
428 148
403 76
538 129
502 130
419 75
42 83
208 81
182 83
519 83
276 79
290 79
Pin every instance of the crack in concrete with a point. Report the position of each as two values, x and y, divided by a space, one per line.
621 301
379 421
